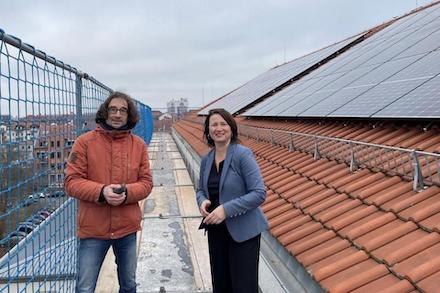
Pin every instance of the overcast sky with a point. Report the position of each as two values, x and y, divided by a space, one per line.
196 49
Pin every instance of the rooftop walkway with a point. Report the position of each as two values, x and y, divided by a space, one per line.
169 239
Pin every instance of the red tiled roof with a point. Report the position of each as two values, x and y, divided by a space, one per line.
363 231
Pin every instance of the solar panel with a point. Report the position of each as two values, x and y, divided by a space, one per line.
422 102
372 79
335 101
411 38
427 44
264 107
410 73
385 70
413 21
376 98
326 91
292 99
297 103
426 65
305 103
277 103
271 79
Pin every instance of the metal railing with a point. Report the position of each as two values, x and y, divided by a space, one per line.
44 105
422 168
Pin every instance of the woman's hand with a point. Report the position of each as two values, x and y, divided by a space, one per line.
216 216
204 207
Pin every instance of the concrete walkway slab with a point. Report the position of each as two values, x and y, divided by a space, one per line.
173 253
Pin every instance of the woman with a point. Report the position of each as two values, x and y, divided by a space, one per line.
229 195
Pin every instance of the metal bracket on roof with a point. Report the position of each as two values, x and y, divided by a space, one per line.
291 145
353 164
317 154
417 173
271 137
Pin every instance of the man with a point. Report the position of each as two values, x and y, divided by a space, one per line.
108 173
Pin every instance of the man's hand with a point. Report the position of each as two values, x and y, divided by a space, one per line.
216 216
112 198
204 207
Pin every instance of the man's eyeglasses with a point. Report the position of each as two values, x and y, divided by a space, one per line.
114 110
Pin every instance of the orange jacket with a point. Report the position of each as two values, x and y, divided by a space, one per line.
102 157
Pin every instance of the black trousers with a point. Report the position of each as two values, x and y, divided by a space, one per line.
234 265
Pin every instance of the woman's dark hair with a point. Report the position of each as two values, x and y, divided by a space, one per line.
228 118
132 115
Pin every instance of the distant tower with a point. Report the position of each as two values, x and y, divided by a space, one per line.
177 107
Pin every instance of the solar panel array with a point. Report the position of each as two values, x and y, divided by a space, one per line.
266 82
392 74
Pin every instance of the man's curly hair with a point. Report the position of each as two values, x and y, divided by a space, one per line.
133 113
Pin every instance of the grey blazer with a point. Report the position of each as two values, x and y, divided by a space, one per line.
242 191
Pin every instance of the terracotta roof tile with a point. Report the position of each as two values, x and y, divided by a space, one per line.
371 178
422 209
308 252
300 232
378 187
361 277
412 141
291 193
385 282
340 263
402 287
390 193
385 234
274 173
421 265
281 218
384 251
387 138
332 178
305 194
431 283
413 248
398 140
337 210
329 171
351 177
270 197
367 224
290 224
283 180
314 166
429 144
300 163
322 166
278 210
432 223
351 217
328 202
314 199
295 184
273 204
414 198
355 133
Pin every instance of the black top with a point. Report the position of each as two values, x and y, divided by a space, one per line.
214 185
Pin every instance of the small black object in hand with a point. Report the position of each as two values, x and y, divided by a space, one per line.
120 190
